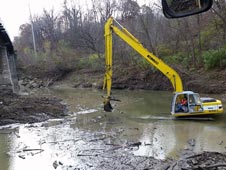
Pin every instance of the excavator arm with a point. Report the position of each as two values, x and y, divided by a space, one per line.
126 36
108 64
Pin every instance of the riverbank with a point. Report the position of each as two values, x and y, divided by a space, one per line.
132 77
206 82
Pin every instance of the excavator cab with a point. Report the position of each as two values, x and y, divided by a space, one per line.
195 105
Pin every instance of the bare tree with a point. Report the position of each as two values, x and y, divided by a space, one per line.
49 27
219 9
130 9
72 21
105 9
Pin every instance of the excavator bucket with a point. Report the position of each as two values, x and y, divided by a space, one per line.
107 106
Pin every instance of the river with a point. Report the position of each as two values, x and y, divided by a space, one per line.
141 116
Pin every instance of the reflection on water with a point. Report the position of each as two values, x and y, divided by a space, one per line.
158 141
3 149
38 147
140 116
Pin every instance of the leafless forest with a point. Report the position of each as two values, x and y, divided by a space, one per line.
73 38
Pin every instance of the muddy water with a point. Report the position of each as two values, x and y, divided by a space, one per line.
141 116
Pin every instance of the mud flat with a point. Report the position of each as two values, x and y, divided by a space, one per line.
85 150
29 109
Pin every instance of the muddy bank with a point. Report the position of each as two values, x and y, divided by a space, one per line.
212 82
28 109
128 77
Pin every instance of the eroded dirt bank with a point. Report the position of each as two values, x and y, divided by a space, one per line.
212 82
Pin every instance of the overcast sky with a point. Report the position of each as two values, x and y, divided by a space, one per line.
14 13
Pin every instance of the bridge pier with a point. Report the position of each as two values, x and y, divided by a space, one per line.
8 74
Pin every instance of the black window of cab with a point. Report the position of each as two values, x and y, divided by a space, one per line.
183 8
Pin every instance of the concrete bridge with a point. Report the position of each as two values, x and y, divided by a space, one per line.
8 74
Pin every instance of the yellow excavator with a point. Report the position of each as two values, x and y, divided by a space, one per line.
195 105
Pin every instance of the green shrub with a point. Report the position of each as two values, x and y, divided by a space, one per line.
179 58
93 62
215 59
163 50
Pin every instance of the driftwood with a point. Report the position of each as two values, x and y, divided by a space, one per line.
87 154
193 156
29 150
37 151
94 140
75 140
136 144
22 156
171 167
